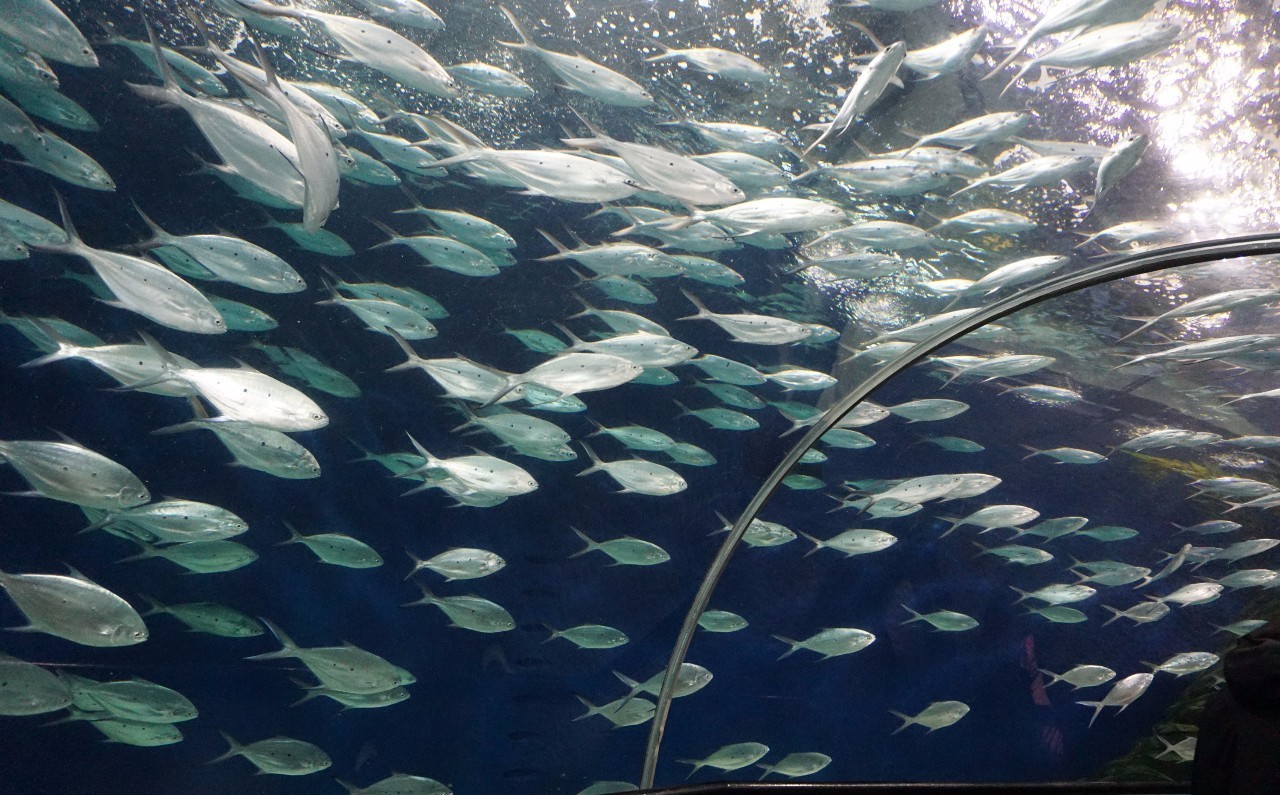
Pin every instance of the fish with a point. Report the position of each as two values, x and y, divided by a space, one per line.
716 61
177 521
1077 15
242 394
721 621
625 551
590 636
620 712
943 620
749 327
336 549
399 782
830 643
797 764
937 715
1121 695
665 171
853 542
74 608
490 79
874 78
257 448
142 286
28 689
468 612
347 668
1081 676
283 756
729 757
581 74
1112 45
69 472
208 617
637 475
1185 663
40 26
230 259
459 563
199 557
378 47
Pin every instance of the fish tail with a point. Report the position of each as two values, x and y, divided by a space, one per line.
818 543
1054 678
191 425
907 720
1022 594
287 649
171 85
234 749
1018 49
590 545
294 535
628 681
767 770
914 615
955 522
417 563
1097 709
562 250
427 596
684 410
413 359
587 309
392 235
596 464
697 765
1027 67
422 451
574 342
1117 614
153 605
592 709
525 42
795 646
148 551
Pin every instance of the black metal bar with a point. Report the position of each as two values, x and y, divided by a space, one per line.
1057 787
1134 265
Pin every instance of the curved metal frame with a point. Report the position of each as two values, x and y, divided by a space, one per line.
1134 265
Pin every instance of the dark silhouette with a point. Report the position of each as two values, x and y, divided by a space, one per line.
1238 746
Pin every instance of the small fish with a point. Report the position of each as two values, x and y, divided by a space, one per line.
943 620
283 756
1121 695
625 551
729 757
1082 676
590 636
795 765
721 621
937 715
459 563
830 642
336 549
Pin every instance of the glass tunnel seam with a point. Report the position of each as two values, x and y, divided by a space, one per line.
1165 258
